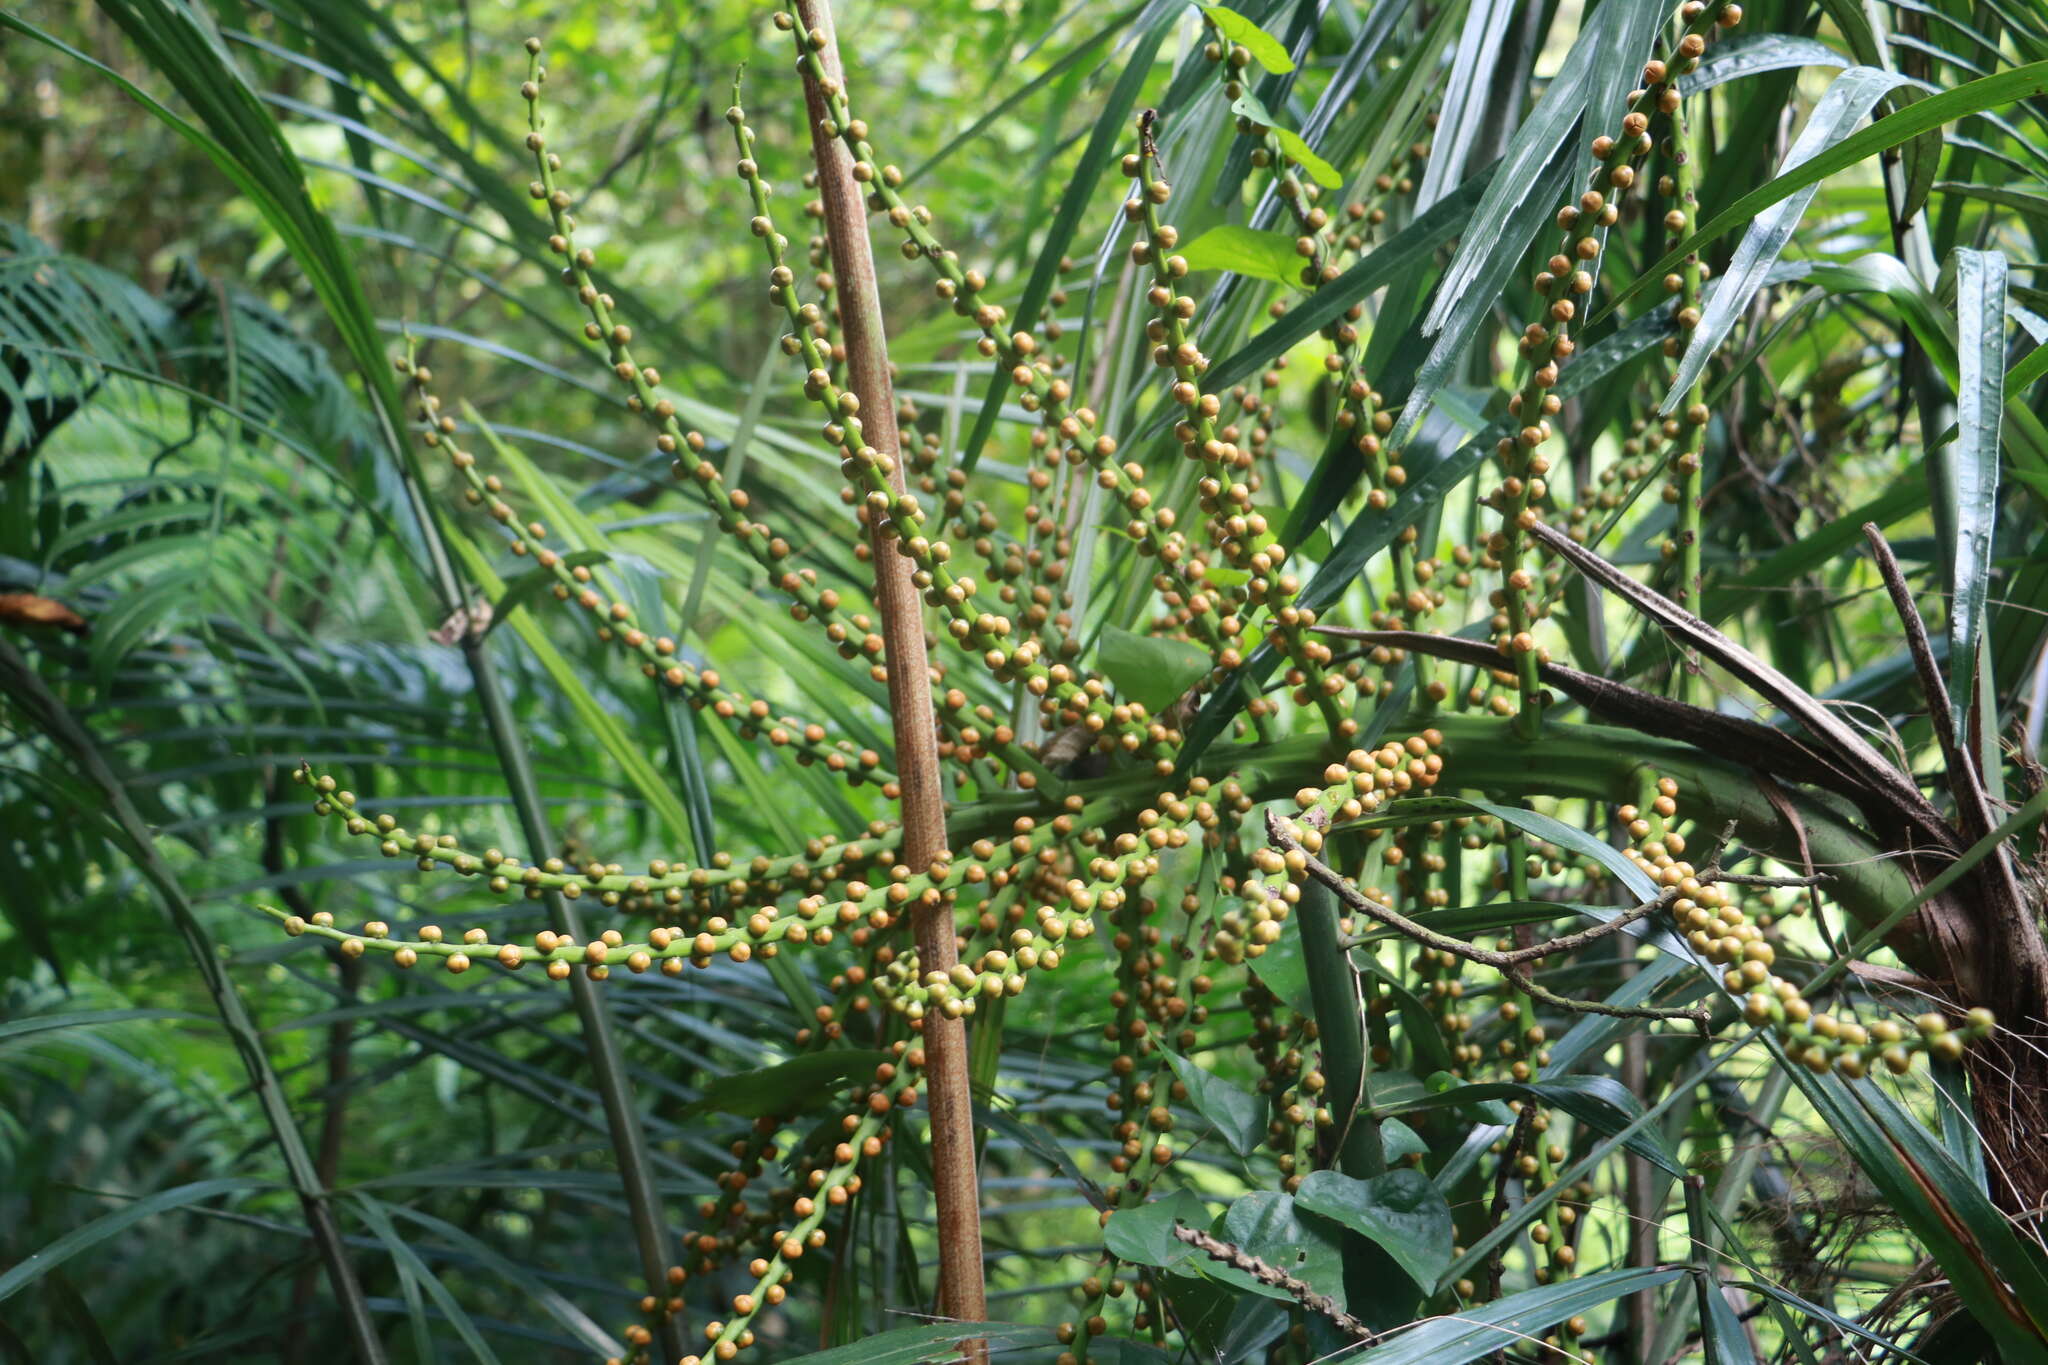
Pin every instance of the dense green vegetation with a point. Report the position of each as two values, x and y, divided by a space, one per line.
1473 788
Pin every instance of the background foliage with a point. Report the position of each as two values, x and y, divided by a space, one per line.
222 221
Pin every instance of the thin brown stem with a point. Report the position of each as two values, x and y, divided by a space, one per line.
1939 710
1513 964
954 1186
1298 1290
1758 879
1964 783
1471 952
1518 1138
1519 974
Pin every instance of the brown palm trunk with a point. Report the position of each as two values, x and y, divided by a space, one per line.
955 1188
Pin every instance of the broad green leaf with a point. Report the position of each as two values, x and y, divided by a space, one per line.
1726 1339
1144 1235
1273 89
1671 980
1410 249
1149 670
1971 470
1470 96
1238 1116
1387 1090
1400 1211
1398 1141
1297 148
1261 255
1292 143
1282 968
1264 47
1988 92
1523 192
1600 1101
1552 830
1423 809
1272 1227
1506 1323
1752 54
1851 96
796 1086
